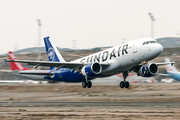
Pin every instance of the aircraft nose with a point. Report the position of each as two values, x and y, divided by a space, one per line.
159 48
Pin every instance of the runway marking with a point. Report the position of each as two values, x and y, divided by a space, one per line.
175 104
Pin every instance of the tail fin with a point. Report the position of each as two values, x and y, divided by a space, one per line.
15 65
170 67
52 52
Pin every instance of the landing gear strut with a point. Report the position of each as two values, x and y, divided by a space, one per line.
124 83
144 64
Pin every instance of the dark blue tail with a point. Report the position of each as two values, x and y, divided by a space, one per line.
52 52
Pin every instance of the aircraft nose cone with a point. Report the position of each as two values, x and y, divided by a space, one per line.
159 48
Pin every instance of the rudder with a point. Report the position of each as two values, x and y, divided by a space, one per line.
15 65
52 52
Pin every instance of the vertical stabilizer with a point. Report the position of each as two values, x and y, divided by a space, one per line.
52 52
170 67
15 65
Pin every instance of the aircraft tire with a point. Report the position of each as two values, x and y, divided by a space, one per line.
126 85
84 84
121 84
89 84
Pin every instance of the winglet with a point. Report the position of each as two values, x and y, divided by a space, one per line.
5 61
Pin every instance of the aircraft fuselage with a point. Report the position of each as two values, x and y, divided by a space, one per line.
120 59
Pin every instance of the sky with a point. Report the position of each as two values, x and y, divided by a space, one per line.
83 24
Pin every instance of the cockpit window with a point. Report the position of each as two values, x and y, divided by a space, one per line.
144 43
152 41
149 42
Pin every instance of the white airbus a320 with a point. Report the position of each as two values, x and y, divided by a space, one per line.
130 56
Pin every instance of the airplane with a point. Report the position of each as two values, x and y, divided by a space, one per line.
130 56
19 70
172 71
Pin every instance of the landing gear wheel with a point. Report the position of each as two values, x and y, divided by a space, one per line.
121 84
89 84
126 85
84 84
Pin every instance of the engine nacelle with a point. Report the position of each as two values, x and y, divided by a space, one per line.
91 69
149 70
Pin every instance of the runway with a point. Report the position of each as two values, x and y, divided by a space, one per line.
177 104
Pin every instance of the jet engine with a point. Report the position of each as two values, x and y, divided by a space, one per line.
91 69
148 70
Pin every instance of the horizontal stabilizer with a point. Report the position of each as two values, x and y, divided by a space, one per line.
5 61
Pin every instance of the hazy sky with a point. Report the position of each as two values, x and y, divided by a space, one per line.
92 23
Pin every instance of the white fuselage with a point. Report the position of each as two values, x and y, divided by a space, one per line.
123 57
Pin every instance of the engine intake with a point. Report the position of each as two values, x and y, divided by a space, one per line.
149 70
91 69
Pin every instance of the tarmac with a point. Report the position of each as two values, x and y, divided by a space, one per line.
26 104
101 102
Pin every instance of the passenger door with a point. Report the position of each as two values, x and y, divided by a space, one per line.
135 45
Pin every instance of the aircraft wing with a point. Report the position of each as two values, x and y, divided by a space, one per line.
70 65
167 75
165 63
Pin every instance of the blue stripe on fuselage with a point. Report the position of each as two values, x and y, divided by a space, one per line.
65 75
174 76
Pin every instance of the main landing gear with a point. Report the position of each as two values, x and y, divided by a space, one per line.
124 83
87 84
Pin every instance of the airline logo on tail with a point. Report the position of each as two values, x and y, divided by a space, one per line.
51 54
169 69
12 57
